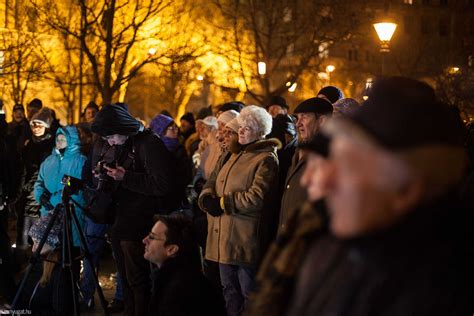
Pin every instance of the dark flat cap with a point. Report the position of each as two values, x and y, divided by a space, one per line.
315 105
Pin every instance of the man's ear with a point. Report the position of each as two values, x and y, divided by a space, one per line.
172 250
409 195
323 119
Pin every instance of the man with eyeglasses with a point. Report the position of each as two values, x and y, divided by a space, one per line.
140 180
179 287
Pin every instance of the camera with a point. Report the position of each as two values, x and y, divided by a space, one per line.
71 185
101 173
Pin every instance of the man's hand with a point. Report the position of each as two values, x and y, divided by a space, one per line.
115 173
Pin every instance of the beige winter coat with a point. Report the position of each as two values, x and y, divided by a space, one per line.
248 183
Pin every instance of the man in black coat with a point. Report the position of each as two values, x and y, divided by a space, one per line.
179 287
400 242
142 180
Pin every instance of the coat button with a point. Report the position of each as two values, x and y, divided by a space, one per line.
288 186
216 230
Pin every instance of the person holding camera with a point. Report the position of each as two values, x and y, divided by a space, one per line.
141 181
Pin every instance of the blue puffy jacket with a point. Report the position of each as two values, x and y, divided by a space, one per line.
53 169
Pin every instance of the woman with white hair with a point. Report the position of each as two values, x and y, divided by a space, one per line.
238 202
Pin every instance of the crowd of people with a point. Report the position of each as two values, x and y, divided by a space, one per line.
337 208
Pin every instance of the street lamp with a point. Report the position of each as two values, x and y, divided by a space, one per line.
329 69
385 32
262 68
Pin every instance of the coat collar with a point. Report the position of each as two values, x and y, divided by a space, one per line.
264 145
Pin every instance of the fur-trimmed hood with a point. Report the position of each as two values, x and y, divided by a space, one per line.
264 145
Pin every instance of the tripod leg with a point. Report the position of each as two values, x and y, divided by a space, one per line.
35 258
87 256
68 259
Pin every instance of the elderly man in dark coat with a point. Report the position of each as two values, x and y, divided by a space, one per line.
399 240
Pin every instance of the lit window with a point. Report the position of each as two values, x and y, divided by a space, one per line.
408 1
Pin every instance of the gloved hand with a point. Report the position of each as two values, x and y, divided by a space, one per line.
212 205
44 201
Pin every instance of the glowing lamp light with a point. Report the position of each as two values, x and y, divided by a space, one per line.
454 70
385 30
200 77
293 87
152 51
288 84
330 68
262 68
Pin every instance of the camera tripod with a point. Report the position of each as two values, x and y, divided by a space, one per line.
67 258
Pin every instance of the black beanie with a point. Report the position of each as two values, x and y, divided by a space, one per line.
278 100
188 117
403 112
115 119
35 103
332 93
315 105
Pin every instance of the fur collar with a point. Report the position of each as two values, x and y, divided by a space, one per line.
264 145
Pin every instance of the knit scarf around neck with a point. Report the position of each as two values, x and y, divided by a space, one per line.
170 143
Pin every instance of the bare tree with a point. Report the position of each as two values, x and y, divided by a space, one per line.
456 87
291 37
21 60
118 37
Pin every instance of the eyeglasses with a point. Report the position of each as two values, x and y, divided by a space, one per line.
151 237
172 128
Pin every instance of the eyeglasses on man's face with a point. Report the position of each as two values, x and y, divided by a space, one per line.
151 236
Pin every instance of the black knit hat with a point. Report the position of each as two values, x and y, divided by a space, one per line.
315 105
332 93
35 103
278 100
319 144
234 105
115 119
402 113
189 117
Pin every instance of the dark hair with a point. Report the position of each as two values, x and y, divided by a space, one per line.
179 232
91 105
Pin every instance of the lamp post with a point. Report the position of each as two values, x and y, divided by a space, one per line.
385 32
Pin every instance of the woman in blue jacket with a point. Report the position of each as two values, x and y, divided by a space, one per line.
66 159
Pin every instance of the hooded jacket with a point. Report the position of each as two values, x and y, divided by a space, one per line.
149 182
248 182
55 167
